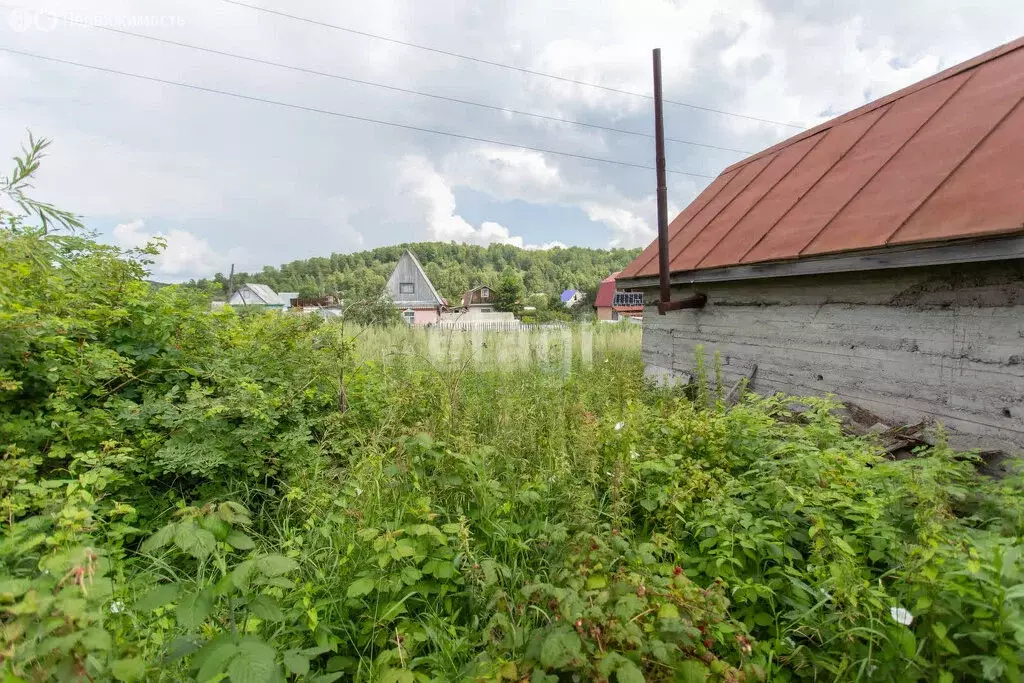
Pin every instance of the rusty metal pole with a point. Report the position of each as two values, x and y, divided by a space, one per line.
659 146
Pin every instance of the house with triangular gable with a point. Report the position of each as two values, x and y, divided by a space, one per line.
413 292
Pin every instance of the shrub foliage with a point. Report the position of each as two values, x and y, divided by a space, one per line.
196 495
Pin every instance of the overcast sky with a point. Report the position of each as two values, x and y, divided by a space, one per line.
226 180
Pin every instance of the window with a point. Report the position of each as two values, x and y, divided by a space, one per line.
406 287
486 310
409 316
485 293
628 299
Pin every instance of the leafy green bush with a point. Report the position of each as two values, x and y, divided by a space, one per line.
197 495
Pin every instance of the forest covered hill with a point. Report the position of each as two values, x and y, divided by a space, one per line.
453 268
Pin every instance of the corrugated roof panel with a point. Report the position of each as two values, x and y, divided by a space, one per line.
927 160
938 160
710 212
724 238
773 206
647 261
983 195
799 225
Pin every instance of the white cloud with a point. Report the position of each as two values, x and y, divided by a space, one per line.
185 255
628 229
289 184
419 178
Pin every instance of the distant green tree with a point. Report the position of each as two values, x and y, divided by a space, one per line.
510 291
378 311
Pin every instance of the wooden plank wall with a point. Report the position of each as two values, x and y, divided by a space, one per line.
943 343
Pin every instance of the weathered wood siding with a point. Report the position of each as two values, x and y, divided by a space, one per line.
423 294
944 343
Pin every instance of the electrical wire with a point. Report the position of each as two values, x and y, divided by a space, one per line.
385 86
352 117
503 66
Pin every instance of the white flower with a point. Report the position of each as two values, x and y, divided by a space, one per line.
359 491
619 425
116 607
609 474
634 455
901 615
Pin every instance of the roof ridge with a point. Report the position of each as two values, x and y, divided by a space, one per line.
973 63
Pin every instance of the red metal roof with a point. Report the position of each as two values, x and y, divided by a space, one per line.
939 160
606 292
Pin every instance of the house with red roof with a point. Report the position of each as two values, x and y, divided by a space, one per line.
613 304
878 257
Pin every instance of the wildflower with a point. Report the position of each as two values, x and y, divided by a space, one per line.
901 615
619 425
116 607
359 491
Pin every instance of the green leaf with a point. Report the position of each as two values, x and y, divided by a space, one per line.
241 575
275 565
128 670
360 587
296 663
668 611
159 539
96 638
254 663
198 543
239 541
843 545
907 642
1015 593
596 582
193 609
213 658
691 671
560 649
266 608
627 672
411 575
157 597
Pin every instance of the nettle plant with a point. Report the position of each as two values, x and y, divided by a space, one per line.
225 611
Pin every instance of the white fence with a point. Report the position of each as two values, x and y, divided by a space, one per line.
495 326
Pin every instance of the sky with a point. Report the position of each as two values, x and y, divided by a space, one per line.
227 180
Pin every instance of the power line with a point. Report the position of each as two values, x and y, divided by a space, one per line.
353 117
385 86
500 65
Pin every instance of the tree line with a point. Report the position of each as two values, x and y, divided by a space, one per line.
453 268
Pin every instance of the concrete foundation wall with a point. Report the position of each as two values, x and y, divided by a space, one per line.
943 344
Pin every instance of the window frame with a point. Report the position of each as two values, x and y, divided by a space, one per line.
402 287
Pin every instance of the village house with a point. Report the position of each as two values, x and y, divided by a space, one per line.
262 296
571 297
413 293
878 256
613 304
479 299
